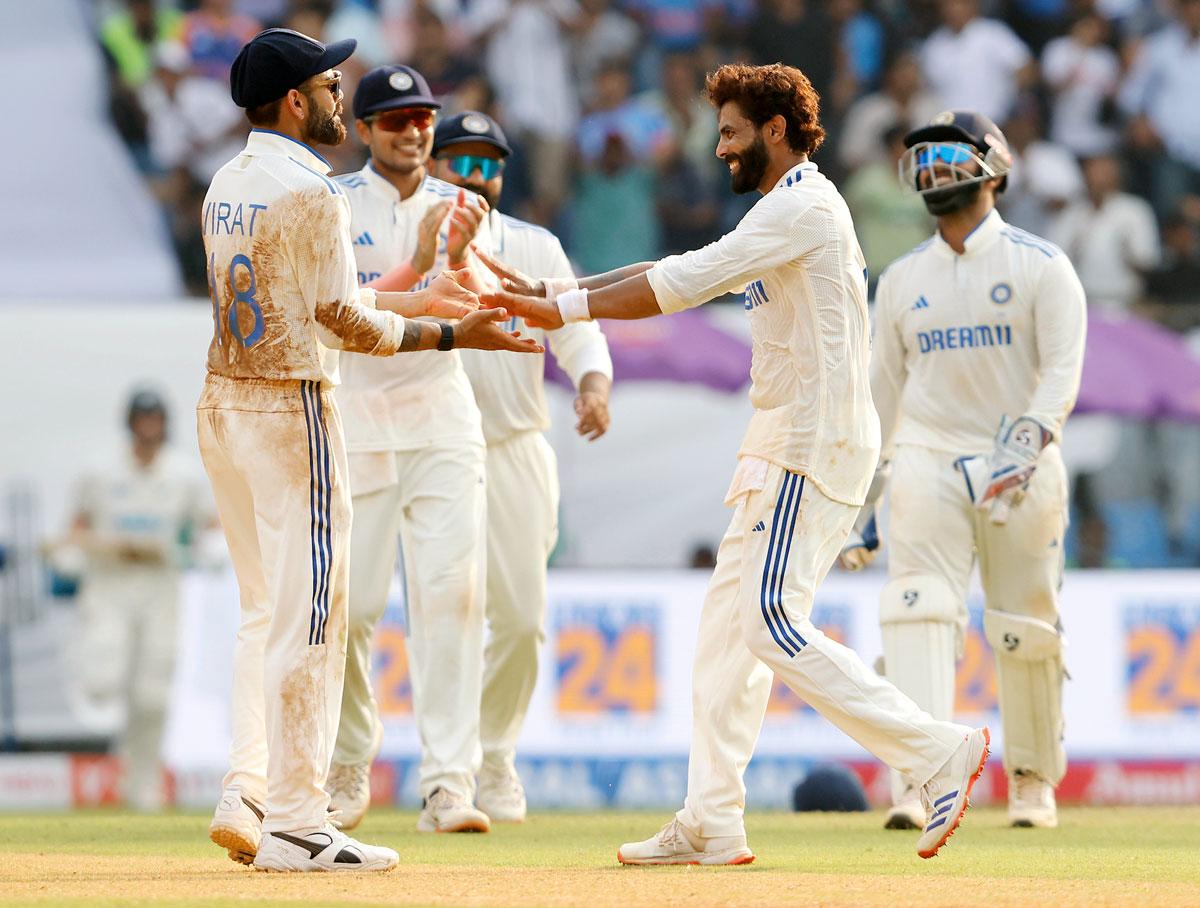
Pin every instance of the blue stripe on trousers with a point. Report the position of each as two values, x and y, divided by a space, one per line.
312 506
327 516
783 528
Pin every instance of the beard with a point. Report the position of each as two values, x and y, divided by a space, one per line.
324 128
752 166
493 198
954 198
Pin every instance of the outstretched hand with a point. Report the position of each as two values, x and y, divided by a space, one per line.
448 296
481 331
511 279
537 312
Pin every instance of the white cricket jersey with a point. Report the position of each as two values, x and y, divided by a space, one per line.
281 268
962 339
798 261
417 399
510 387
161 507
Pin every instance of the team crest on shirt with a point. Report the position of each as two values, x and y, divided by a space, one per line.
1001 294
400 81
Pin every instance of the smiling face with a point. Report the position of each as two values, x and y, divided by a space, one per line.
400 140
740 145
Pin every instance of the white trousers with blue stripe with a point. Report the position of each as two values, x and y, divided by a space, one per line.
780 544
275 455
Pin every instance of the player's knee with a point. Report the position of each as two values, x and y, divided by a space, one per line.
772 631
922 599
1022 639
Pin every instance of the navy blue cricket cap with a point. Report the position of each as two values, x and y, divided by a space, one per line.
278 60
469 126
390 88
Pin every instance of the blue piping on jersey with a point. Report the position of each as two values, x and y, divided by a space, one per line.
307 148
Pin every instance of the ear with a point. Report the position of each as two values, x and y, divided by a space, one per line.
775 129
363 131
295 104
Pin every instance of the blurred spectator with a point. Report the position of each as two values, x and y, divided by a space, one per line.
604 33
903 100
1037 21
1083 73
672 25
973 63
435 59
680 101
1045 176
888 218
796 32
863 43
399 24
1162 93
129 35
358 19
621 146
1110 236
1176 282
527 61
213 34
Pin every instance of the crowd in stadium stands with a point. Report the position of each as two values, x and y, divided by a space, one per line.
1100 100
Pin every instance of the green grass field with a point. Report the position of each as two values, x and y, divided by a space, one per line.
1098 857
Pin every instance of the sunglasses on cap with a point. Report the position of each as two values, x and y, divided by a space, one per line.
945 153
399 120
466 164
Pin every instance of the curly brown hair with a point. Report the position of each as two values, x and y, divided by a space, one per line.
763 92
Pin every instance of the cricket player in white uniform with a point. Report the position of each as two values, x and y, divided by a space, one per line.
522 476
285 299
803 470
134 527
417 471
979 337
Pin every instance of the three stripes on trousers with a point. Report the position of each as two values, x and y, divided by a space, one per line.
320 500
783 528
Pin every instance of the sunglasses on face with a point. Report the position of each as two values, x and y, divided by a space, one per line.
334 85
466 164
949 153
400 120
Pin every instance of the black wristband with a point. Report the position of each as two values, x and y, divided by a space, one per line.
447 341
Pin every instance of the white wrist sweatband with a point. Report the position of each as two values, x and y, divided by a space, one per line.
555 286
573 306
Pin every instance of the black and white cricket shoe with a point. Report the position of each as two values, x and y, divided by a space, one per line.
327 849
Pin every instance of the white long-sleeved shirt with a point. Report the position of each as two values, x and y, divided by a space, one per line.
418 399
962 339
1161 84
797 260
281 268
510 387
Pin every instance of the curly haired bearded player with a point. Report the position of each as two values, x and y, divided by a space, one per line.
803 471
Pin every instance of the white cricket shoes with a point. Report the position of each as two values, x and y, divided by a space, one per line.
946 796
908 812
1031 801
444 811
349 786
500 794
237 825
676 844
328 849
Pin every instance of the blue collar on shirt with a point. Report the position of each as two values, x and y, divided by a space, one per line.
269 138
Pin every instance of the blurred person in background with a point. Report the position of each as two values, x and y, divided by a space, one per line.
1083 73
433 57
973 63
129 34
1110 235
621 144
1045 176
135 524
863 42
603 33
1175 285
888 219
213 34
522 473
1037 21
798 33
903 99
527 59
1160 95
